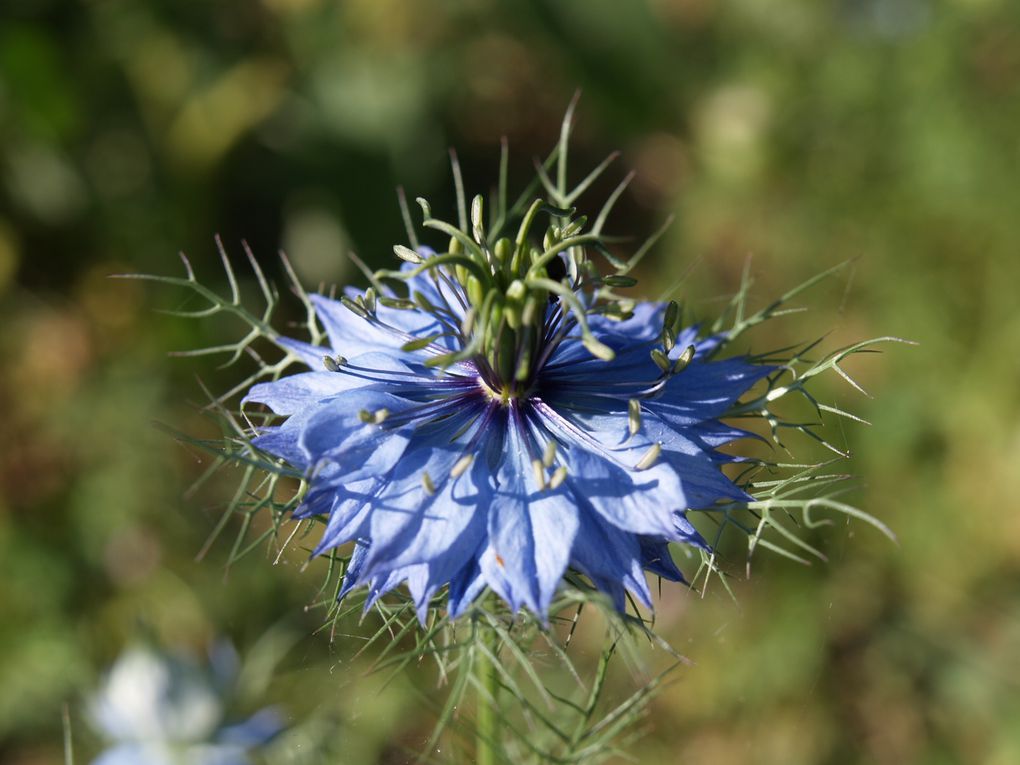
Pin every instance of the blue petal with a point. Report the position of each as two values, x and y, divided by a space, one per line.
645 324
656 558
531 530
256 730
349 334
622 497
409 524
465 586
686 532
611 558
707 390
336 431
292 394
284 441
309 354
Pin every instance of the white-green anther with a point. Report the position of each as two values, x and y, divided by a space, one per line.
575 227
549 456
476 219
619 280
633 416
462 465
649 457
355 307
369 300
558 477
397 303
539 469
597 349
373 418
683 359
661 360
418 343
330 363
671 319
426 482
406 253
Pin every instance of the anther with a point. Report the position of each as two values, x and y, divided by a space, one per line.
633 416
406 253
476 220
683 359
462 465
558 477
355 307
373 418
619 280
661 360
649 457
426 482
550 453
536 465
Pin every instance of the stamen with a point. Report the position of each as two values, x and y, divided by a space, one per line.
661 360
462 465
649 457
634 416
426 482
558 477
419 343
550 453
536 465
355 307
378 417
406 253
333 365
683 360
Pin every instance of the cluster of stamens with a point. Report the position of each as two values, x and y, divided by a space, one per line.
502 307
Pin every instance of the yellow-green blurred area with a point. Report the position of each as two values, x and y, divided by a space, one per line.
803 133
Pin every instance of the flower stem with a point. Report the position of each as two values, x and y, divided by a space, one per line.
487 731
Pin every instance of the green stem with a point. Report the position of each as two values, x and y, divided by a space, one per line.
487 733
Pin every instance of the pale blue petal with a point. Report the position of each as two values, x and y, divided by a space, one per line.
465 586
289 395
656 558
309 354
609 557
531 530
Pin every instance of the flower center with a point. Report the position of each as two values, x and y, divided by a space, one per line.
501 394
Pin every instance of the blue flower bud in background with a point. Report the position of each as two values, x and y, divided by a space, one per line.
162 708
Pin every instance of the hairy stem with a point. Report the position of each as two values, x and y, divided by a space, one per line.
487 733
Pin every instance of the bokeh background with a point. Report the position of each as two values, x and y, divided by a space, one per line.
804 133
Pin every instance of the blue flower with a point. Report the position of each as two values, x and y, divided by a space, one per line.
161 709
504 417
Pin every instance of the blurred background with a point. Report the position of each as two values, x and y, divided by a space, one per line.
804 133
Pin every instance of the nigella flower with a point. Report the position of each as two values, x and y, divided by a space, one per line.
492 416
158 708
